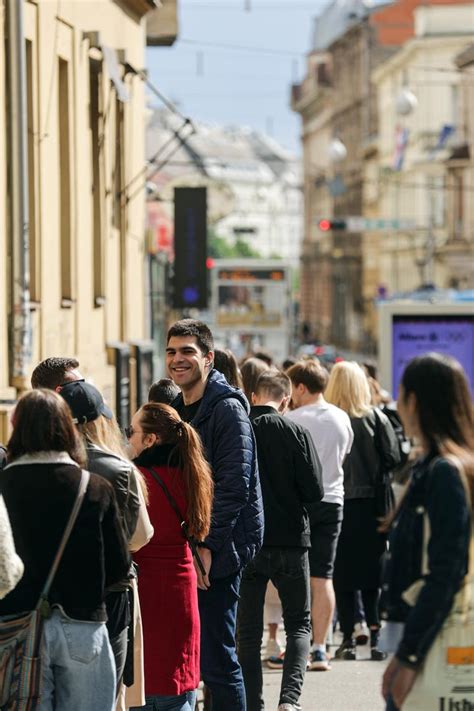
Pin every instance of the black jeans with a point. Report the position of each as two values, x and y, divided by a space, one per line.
346 609
288 569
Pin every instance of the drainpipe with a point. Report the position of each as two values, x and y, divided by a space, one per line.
20 315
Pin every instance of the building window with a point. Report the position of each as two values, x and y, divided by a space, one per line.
65 231
34 250
98 196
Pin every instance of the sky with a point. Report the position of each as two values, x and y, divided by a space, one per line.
232 86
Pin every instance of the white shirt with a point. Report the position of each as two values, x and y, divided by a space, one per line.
330 428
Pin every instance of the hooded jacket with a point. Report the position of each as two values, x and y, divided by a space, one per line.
223 424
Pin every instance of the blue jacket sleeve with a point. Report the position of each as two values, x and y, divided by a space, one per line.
232 461
448 550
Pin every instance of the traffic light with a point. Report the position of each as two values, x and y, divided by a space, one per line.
326 225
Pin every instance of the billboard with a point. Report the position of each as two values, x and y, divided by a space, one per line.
190 280
251 298
415 335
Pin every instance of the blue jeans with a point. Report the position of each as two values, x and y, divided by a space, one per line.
78 666
220 668
183 702
288 569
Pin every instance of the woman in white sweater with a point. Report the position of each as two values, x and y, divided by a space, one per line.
11 567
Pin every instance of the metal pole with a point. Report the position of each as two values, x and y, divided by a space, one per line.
20 315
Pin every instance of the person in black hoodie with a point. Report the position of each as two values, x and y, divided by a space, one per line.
290 473
39 487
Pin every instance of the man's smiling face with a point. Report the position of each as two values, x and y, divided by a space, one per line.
185 362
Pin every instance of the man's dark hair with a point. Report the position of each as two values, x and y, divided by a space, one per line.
163 391
288 362
311 374
50 373
273 383
191 327
264 355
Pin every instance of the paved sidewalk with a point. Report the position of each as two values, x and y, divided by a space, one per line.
349 686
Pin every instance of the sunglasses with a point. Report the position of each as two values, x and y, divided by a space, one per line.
129 431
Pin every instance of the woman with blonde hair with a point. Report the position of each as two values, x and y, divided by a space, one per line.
361 546
170 455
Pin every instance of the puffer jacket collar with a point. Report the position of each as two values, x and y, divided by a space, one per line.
217 388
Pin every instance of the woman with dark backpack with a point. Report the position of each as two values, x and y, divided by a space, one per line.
40 487
169 453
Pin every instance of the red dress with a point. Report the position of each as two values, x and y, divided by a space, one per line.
168 588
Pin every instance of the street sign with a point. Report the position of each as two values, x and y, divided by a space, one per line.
365 224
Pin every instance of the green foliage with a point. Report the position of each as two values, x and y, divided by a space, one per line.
219 248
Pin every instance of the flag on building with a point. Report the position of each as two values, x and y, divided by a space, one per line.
401 142
445 133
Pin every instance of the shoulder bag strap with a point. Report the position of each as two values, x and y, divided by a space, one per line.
182 520
85 476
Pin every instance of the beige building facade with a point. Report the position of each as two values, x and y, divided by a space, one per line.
426 189
85 105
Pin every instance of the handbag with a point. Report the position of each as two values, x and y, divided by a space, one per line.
182 521
446 679
21 637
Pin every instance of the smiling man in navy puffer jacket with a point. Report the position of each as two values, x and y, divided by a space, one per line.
219 413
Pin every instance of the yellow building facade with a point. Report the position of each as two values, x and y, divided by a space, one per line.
85 108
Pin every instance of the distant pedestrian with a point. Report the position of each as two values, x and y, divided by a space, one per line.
430 536
53 373
11 566
106 457
39 486
169 453
360 548
250 371
164 391
288 362
290 474
226 363
219 413
332 435
266 356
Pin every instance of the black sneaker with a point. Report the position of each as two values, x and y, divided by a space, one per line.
377 655
347 650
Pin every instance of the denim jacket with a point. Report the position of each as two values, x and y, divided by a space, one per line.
435 488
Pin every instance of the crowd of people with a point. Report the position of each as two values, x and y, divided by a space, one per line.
235 488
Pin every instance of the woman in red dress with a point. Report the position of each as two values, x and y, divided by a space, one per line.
169 452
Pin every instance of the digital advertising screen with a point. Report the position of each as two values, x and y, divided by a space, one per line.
415 335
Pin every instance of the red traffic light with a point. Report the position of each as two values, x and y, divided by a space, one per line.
324 225
210 263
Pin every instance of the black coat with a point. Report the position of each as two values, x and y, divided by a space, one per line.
39 494
360 548
435 489
290 475
375 451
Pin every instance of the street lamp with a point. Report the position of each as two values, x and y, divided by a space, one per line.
337 151
406 102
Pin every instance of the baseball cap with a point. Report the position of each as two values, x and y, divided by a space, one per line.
85 401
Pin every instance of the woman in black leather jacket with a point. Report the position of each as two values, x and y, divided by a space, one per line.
374 454
106 457
435 406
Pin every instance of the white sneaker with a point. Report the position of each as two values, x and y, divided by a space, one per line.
272 649
361 633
